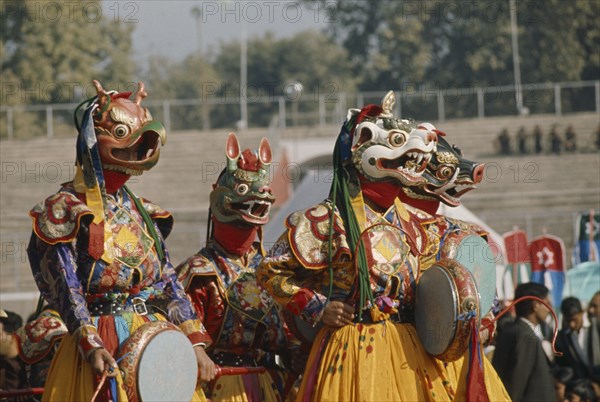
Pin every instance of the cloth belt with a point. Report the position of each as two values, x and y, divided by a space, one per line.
245 360
398 318
118 307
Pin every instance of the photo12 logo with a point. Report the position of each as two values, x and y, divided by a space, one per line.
252 12
62 12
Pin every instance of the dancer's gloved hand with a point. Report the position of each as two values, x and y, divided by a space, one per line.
102 361
337 314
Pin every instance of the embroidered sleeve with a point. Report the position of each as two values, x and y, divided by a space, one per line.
285 279
162 217
209 304
59 217
180 309
88 339
54 268
197 274
308 234
37 338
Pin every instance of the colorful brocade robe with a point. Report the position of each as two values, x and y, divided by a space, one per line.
296 271
240 316
70 279
443 233
370 360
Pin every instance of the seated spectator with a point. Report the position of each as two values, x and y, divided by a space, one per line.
571 339
522 141
555 141
570 141
504 142
562 376
580 390
537 139
519 357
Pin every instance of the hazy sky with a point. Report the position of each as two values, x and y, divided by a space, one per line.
168 27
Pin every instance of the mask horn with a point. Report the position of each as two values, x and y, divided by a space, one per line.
140 94
264 152
232 151
101 93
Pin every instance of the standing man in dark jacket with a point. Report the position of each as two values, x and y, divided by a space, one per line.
519 357
571 340
593 339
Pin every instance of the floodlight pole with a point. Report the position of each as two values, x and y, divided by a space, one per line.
515 54
204 109
197 14
243 78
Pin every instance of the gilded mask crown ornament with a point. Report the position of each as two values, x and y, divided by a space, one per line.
242 192
387 148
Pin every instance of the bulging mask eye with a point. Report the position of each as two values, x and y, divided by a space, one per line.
120 130
242 189
445 172
397 139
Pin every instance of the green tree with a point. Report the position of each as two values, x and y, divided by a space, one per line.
465 43
308 57
550 34
62 45
385 40
52 50
194 78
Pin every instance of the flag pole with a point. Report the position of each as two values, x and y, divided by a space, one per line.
591 236
515 264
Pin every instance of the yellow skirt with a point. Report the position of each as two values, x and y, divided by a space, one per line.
458 370
249 387
71 378
372 362
384 362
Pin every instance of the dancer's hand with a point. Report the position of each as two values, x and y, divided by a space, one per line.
102 361
487 330
206 367
337 314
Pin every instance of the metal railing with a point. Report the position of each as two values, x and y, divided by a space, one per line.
318 109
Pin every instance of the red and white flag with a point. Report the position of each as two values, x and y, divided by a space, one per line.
518 269
517 250
547 253
548 264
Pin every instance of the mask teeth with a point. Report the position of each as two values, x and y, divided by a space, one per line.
122 169
248 211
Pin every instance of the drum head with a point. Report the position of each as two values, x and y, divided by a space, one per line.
436 310
167 370
475 254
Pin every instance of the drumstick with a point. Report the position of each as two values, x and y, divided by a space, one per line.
221 371
97 391
507 309
11 393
